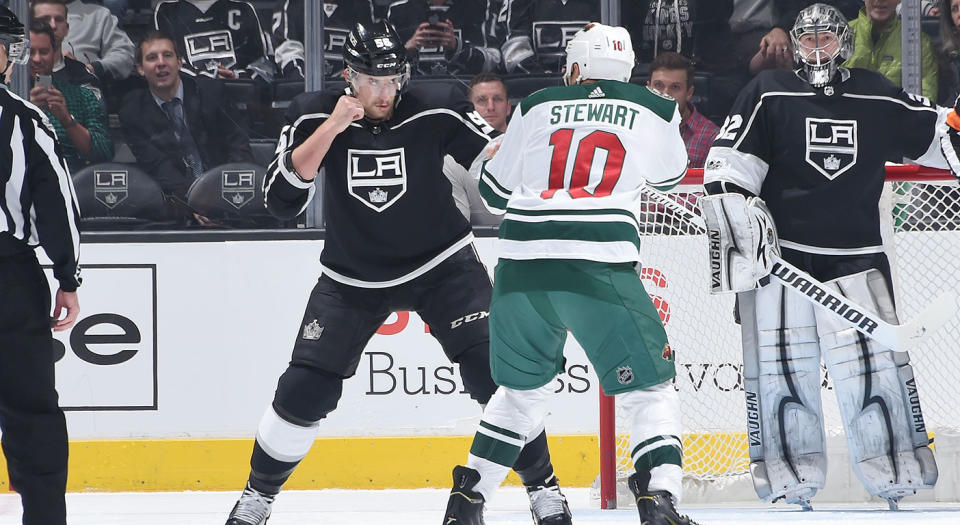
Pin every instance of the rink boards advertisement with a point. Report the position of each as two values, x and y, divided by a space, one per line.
178 348
188 340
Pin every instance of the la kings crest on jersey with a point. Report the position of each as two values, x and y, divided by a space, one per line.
831 145
378 178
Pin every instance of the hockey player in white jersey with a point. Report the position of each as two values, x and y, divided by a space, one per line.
568 177
811 144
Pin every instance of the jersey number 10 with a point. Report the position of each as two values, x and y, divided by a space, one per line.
586 150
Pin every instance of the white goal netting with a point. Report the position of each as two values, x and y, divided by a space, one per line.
924 247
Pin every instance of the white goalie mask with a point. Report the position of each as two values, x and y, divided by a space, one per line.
601 52
821 41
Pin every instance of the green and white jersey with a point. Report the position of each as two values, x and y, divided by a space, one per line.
571 166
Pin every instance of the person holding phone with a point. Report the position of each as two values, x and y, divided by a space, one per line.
398 245
447 36
74 111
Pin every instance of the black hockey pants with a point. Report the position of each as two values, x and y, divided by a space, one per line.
34 429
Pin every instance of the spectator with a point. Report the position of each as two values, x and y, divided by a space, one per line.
216 38
179 126
96 39
537 32
339 17
661 25
950 49
65 68
672 74
447 36
488 94
74 111
877 46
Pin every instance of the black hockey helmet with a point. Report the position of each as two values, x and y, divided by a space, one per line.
13 37
375 49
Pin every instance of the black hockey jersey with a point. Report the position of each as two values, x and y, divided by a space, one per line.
339 17
210 34
816 155
478 48
663 25
389 210
538 32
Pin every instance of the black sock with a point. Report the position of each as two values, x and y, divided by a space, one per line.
534 466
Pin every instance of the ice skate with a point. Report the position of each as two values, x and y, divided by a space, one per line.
253 508
548 505
465 507
656 507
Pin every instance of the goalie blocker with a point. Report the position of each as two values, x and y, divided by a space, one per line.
743 239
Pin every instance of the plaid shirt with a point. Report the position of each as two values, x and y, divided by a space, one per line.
85 108
698 134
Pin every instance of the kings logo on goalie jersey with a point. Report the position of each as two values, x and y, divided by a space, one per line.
831 145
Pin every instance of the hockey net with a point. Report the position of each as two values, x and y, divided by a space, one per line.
922 237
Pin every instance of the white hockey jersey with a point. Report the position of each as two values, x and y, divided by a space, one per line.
569 172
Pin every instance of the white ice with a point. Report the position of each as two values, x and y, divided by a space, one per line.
419 507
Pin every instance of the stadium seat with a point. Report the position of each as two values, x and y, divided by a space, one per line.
439 90
263 150
115 196
521 86
232 195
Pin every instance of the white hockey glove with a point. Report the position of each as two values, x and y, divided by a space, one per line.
742 237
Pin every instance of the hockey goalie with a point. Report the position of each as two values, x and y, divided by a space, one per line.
797 171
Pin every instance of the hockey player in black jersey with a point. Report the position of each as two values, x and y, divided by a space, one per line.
538 32
447 36
217 38
812 145
395 241
338 17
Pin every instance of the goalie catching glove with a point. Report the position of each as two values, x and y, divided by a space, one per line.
742 237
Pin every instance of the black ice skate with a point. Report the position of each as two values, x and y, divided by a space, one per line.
548 505
253 508
465 507
656 508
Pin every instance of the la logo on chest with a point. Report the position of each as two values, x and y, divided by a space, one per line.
831 145
377 178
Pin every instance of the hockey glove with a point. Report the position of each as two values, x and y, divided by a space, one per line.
950 139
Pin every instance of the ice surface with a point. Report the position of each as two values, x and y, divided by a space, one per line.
419 507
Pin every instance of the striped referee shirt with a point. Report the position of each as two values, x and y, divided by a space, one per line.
38 205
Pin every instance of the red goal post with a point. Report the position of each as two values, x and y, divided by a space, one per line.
923 208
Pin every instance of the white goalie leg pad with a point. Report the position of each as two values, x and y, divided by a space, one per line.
509 420
655 431
877 393
782 385
283 440
742 235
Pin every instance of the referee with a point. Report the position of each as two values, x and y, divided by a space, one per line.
37 206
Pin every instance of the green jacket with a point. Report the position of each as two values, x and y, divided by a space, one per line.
884 55
86 109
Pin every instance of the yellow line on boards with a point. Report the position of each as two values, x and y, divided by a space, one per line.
346 463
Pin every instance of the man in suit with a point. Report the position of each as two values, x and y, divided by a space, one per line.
180 126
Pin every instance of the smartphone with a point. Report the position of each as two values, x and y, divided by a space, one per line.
44 80
434 21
